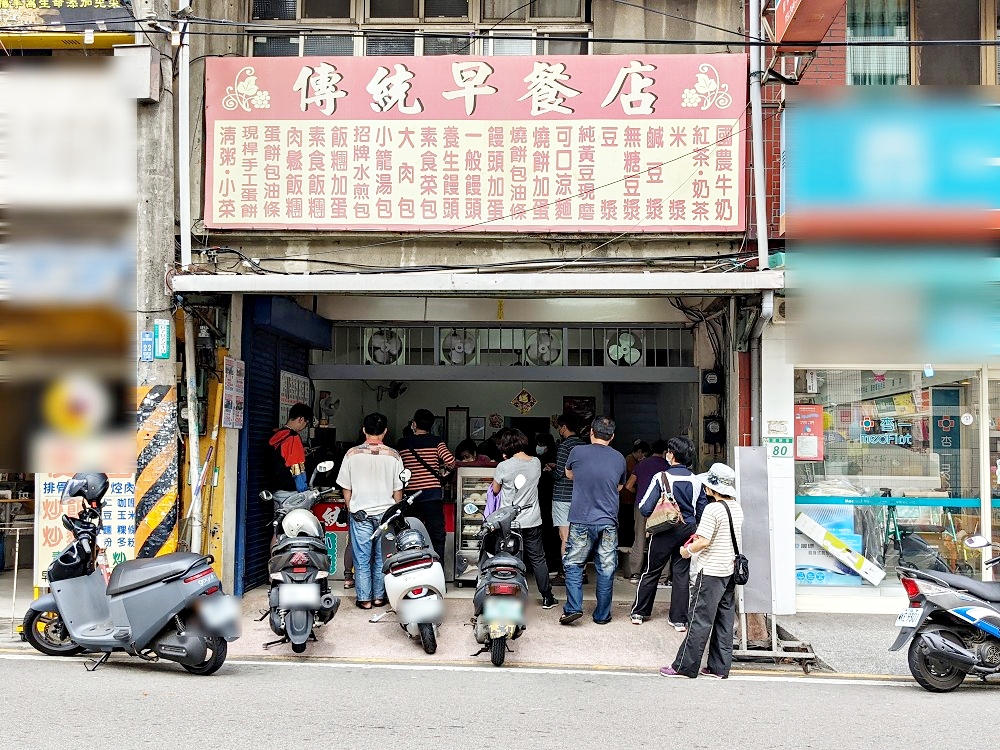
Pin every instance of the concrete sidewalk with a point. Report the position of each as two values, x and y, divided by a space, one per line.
351 635
850 644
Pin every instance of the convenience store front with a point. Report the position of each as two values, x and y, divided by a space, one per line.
899 464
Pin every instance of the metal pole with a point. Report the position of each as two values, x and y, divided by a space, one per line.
13 596
194 463
757 134
184 144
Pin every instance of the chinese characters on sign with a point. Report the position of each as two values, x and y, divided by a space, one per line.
117 534
648 144
233 393
292 389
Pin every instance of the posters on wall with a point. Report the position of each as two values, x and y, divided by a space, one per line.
233 393
293 389
808 432
118 520
575 143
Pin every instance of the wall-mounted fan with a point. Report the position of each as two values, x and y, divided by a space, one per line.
459 346
543 347
383 346
624 349
328 407
394 390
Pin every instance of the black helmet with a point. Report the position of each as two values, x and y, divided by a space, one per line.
90 486
409 539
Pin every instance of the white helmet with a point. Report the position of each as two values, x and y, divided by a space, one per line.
301 522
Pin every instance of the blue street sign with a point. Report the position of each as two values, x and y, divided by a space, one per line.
146 346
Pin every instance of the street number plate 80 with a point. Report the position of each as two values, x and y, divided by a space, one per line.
909 617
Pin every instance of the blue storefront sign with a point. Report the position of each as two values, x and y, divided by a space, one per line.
946 434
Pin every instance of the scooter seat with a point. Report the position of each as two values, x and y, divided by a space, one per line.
398 558
134 574
503 561
987 591
289 543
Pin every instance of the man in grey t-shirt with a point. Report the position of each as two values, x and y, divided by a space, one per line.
598 473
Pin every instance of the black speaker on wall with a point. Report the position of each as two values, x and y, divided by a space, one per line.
714 430
712 382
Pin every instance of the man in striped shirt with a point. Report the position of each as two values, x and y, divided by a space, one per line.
429 461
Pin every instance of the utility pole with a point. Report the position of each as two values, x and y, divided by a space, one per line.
157 491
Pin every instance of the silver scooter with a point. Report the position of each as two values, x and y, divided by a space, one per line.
170 607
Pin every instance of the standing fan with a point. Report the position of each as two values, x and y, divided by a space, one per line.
328 407
544 347
459 347
384 346
625 349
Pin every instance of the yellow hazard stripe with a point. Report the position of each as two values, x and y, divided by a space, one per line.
156 500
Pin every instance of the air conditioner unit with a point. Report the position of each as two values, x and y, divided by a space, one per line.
459 346
544 347
384 346
625 348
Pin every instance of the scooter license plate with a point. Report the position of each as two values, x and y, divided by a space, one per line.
504 609
909 617
220 612
298 596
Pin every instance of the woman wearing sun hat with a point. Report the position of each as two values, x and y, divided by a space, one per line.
713 596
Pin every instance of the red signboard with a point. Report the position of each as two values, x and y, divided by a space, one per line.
604 143
799 24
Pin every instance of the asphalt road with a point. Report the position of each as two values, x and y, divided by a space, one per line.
412 707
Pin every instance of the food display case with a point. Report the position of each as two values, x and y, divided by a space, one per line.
472 483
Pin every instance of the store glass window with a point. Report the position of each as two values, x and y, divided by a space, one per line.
887 474
876 21
994 425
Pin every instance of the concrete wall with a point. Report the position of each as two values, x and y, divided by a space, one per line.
664 19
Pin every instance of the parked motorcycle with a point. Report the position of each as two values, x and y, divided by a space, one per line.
414 578
299 597
170 607
952 623
502 590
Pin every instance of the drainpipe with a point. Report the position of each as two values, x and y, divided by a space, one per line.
757 133
194 459
184 143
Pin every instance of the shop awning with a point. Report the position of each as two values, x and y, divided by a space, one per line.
500 285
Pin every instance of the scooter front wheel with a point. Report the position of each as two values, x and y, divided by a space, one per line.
46 632
217 649
427 638
498 650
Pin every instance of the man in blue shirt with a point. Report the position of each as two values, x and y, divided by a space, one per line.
598 474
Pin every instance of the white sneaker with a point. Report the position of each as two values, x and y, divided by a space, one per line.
680 627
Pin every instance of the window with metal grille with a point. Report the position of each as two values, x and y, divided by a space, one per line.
276 46
872 21
390 44
336 44
340 9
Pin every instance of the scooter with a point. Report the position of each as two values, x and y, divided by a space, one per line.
414 578
299 597
952 624
170 607
502 589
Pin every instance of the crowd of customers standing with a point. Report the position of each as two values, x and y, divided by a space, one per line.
595 498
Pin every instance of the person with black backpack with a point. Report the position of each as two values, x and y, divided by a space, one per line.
288 453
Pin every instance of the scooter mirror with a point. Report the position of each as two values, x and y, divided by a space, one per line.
266 496
976 542
520 481
404 476
470 508
324 466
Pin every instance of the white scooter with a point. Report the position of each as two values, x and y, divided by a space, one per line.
414 578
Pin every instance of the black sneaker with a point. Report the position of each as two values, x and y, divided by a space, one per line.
548 602
570 617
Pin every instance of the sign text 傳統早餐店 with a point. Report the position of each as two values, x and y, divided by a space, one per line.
610 143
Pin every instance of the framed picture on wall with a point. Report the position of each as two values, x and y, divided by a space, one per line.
583 408
477 428
438 427
457 425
